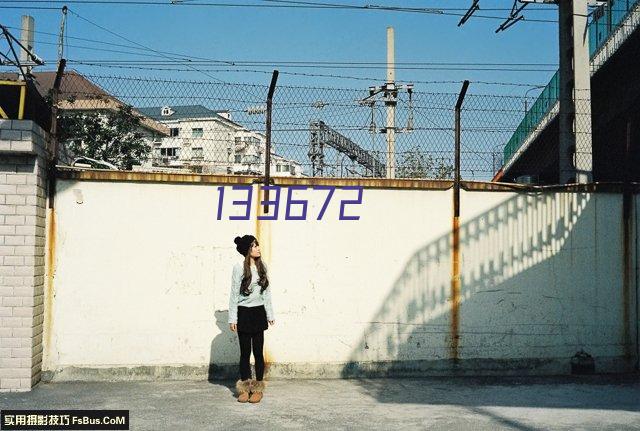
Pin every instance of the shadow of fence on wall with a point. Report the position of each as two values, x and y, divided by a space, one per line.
541 278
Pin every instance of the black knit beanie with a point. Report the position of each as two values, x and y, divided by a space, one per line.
243 244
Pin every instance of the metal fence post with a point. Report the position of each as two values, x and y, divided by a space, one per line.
455 278
53 131
267 159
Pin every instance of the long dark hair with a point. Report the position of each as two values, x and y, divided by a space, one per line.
246 278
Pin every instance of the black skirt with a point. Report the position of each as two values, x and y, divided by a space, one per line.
252 319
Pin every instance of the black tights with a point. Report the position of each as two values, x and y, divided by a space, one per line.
246 341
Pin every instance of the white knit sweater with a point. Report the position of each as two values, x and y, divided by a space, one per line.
254 299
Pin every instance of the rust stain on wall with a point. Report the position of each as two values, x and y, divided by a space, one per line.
108 175
263 227
455 291
258 212
263 233
383 183
267 361
51 247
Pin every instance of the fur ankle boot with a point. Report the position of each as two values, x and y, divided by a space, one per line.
256 389
242 388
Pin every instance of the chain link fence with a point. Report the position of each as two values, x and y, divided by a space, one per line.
214 127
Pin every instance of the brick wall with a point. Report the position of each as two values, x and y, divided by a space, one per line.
22 252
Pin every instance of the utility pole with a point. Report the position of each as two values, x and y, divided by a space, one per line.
391 95
575 149
26 40
390 92
21 50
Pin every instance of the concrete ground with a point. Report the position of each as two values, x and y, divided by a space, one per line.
439 403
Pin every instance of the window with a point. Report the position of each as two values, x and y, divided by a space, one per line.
278 168
238 158
174 131
197 132
168 152
197 152
238 140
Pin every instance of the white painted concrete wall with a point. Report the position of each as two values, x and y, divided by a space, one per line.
541 279
546 279
143 271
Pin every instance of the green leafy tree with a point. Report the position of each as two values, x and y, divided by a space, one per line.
112 136
416 164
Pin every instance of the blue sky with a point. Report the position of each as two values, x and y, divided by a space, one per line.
254 34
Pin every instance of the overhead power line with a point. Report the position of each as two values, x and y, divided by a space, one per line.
458 12
66 36
232 62
148 48
30 7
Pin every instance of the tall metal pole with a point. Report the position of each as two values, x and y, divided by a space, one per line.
267 158
63 24
455 277
575 149
390 102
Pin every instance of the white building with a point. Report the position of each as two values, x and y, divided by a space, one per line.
79 96
207 141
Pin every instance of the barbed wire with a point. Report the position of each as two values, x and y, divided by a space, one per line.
210 127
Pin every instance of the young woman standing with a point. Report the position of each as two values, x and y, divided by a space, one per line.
250 314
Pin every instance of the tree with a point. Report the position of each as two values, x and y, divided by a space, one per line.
112 136
416 164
